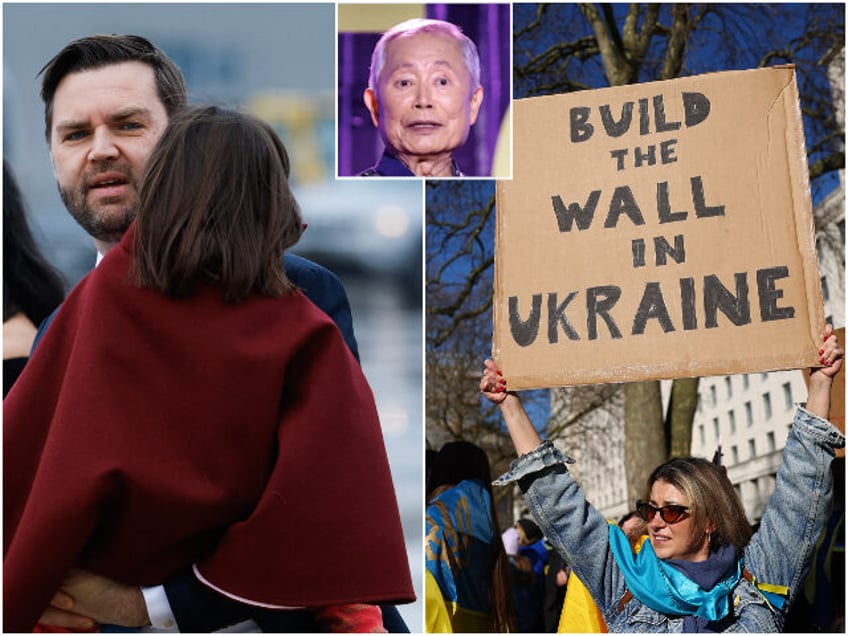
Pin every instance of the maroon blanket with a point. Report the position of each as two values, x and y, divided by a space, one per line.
148 434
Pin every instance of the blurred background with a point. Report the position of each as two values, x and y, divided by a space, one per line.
277 61
488 25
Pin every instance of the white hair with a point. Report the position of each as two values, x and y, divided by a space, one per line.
423 25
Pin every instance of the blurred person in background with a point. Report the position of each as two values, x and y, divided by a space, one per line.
635 528
424 94
463 548
556 585
528 574
32 287
510 541
107 100
821 608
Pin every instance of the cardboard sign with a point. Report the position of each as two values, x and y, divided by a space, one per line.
657 230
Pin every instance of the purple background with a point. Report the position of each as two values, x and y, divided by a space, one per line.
359 143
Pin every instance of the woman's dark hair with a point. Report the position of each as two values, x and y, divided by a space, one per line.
712 499
97 51
531 530
215 204
31 285
456 462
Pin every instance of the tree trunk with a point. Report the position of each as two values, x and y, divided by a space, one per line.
645 442
681 412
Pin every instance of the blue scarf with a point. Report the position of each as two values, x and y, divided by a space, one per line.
666 589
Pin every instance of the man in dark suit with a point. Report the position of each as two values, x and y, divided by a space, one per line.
107 101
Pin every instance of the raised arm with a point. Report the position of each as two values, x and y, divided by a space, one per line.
521 430
781 550
821 378
572 525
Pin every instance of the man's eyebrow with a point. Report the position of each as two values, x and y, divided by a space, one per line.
405 65
129 113
117 116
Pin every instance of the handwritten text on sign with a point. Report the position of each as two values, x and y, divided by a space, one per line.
645 187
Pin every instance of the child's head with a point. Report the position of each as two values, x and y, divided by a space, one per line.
215 204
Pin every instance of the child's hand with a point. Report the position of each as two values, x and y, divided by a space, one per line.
493 384
830 355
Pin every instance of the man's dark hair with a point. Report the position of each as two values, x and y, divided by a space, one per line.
97 51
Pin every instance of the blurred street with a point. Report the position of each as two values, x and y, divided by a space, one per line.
389 331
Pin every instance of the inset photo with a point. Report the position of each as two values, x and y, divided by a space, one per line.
424 90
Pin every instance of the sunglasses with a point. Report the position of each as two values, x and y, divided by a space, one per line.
669 514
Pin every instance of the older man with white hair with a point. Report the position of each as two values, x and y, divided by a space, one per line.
424 95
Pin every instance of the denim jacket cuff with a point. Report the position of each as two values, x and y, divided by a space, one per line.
541 457
810 424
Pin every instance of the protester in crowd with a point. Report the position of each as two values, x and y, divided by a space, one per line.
634 528
424 95
463 549
821 607
702 568
528 577
201 339
556 585
531 544
510 540
32 288
110 97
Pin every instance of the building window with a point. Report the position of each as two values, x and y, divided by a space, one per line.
702 435
715 427
764 376
752 449
713 396
734 455
825 292
746 381
749 414
728 385
767 405
787 395
770 441
732 417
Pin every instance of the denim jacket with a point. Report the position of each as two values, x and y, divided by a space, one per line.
778 554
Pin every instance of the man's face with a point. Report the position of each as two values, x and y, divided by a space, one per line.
424 105
106 122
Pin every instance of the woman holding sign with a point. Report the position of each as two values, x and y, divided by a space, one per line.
703 568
